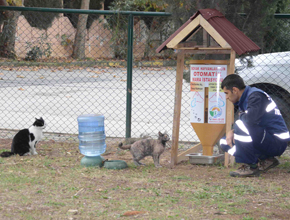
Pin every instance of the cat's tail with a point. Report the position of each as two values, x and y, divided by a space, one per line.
6 154
124 147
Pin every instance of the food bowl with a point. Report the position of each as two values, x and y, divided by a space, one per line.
199 158
115 164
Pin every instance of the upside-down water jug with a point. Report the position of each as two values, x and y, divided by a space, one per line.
91 135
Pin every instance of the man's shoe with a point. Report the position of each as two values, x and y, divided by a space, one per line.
245 171
265 165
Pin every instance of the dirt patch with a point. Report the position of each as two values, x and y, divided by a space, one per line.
53 185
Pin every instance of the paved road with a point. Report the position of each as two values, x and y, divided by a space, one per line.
60 96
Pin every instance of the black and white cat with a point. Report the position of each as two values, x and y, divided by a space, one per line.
24 142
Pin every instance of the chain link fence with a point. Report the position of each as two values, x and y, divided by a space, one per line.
44 81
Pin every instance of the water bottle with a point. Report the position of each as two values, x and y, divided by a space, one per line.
92 135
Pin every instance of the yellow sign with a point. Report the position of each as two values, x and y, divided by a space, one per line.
196 86
14 2
212 87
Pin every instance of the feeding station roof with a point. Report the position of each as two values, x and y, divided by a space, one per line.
228 39
217 26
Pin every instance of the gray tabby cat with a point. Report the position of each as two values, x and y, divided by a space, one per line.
147 147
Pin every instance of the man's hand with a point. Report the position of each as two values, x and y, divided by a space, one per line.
230 138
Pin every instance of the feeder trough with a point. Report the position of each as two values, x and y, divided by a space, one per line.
199 158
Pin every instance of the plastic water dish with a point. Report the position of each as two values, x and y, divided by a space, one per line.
92 161
115 164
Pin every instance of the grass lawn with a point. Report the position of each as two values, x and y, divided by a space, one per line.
54 185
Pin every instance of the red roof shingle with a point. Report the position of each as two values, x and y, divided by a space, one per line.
232 35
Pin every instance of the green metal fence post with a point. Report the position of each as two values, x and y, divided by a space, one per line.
129 75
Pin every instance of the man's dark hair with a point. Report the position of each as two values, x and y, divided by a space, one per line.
233 80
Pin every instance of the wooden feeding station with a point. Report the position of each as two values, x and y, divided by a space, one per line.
219 36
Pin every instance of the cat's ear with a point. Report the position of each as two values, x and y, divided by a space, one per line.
159 133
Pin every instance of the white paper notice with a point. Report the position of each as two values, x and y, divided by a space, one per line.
197 102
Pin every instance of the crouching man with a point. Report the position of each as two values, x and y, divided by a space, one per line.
259 134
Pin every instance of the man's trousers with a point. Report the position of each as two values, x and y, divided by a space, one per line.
253 143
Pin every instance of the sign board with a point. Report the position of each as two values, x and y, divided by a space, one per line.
210 76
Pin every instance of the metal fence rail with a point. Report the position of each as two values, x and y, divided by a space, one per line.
45 81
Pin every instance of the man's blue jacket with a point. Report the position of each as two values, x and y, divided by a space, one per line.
257 108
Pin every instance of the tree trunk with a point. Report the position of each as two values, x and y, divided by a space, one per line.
7 36
80 38
8 32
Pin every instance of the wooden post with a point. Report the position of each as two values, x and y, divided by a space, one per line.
177 107
230 108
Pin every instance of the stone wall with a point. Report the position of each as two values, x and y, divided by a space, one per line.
61 36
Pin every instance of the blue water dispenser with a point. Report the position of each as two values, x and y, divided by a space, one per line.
92 139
